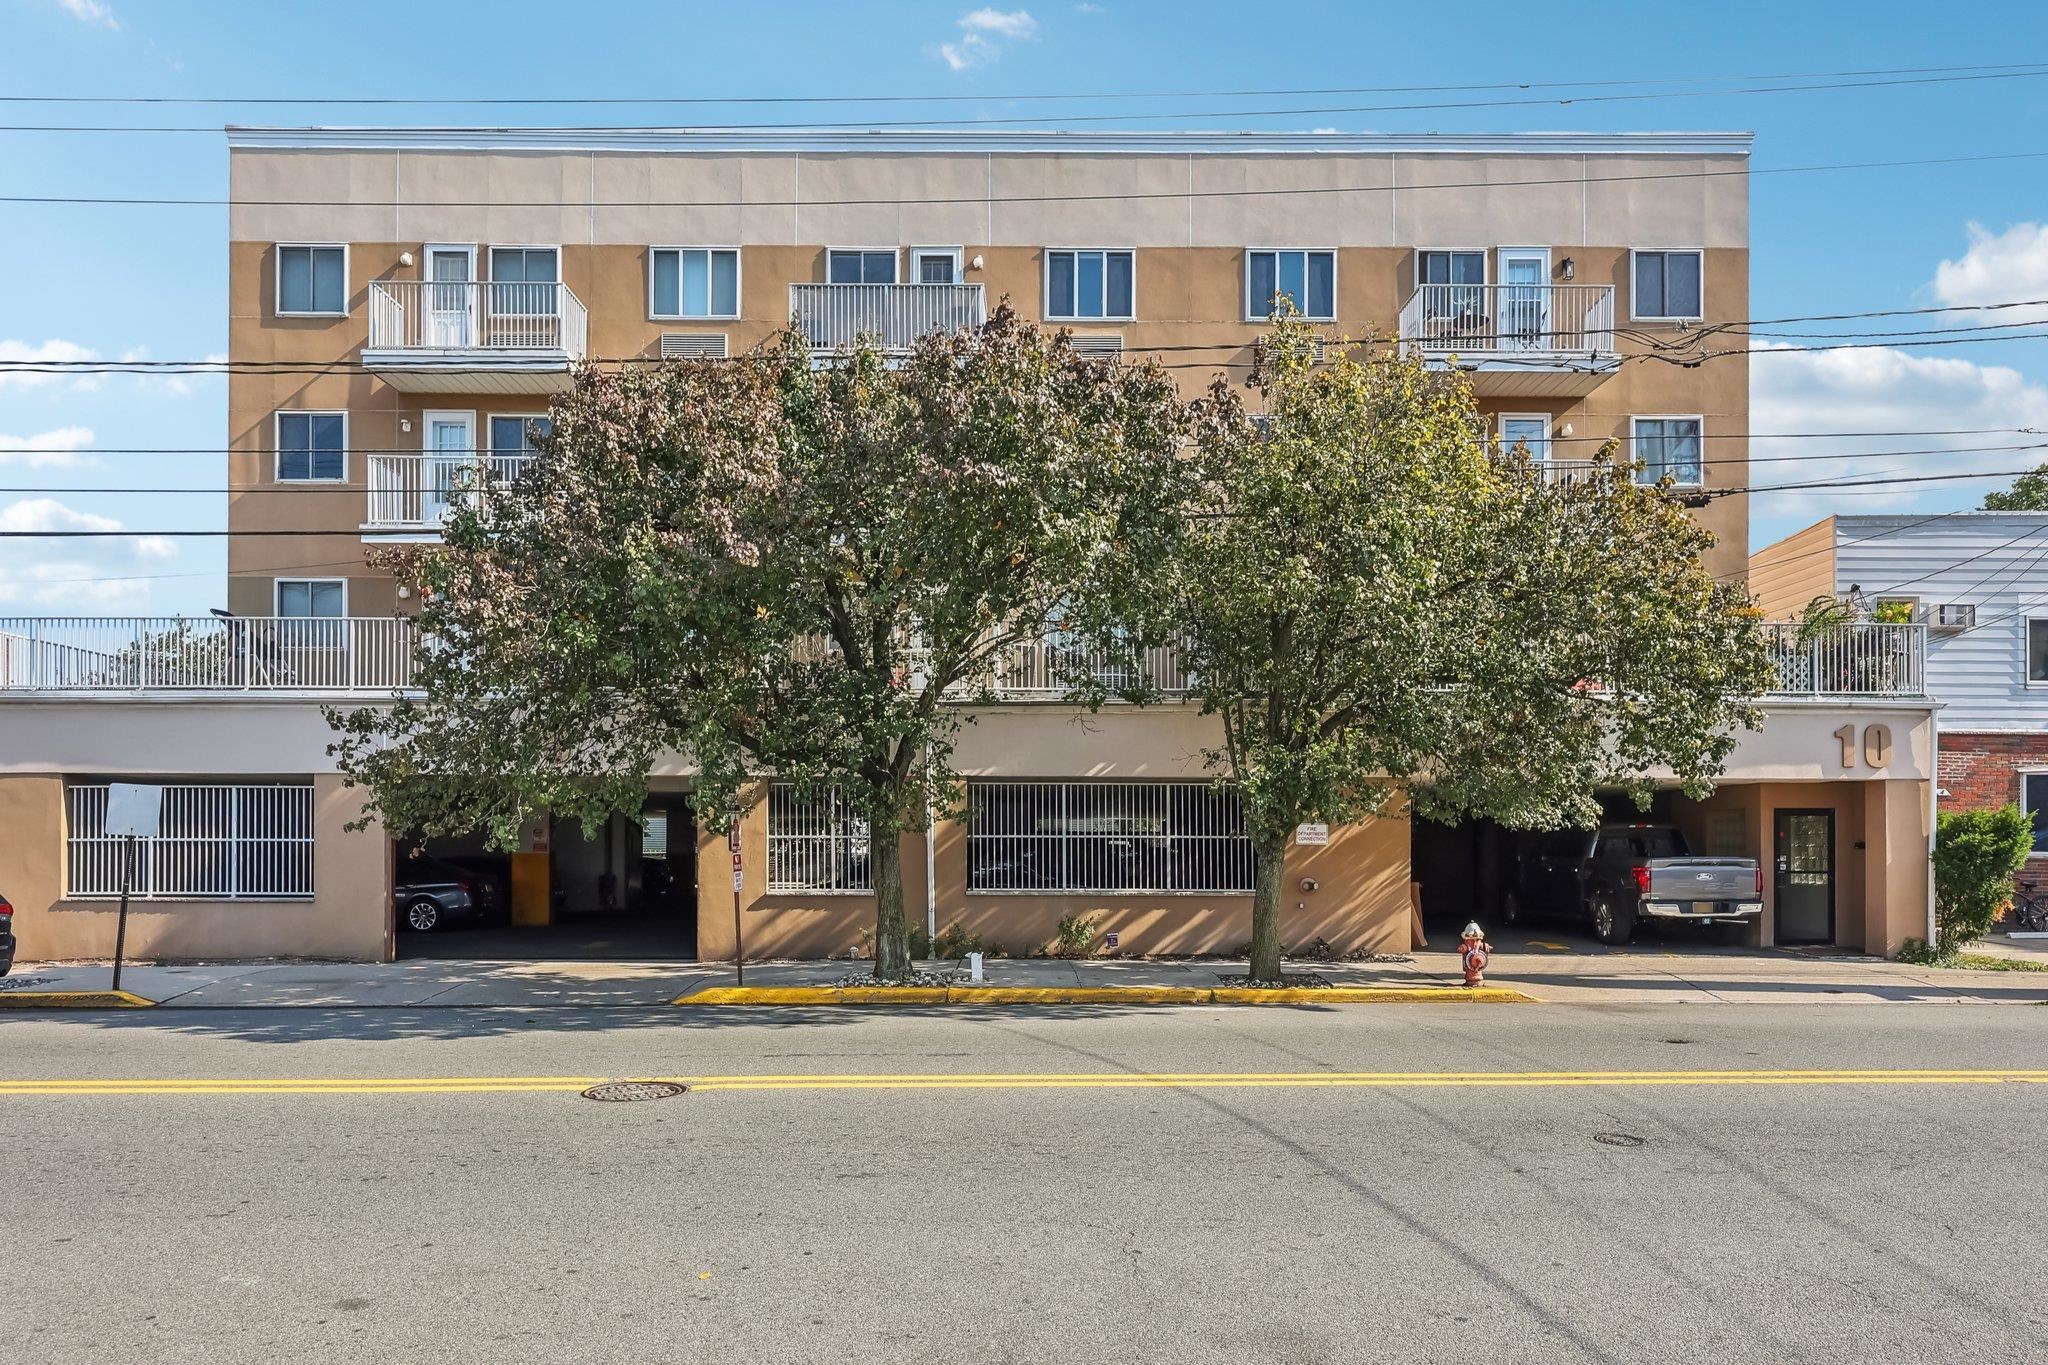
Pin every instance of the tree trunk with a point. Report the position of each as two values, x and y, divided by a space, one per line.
1269 877
892 935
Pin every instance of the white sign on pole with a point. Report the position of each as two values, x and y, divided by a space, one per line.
134 808
1312 834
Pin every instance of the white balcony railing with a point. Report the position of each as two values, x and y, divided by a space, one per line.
417 492
833 316
177 653
431 315
1855 659
1046 669
1532 320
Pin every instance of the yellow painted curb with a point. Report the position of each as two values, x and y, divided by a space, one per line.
73 1000
1098 995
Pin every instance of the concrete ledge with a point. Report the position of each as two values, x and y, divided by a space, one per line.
1097 995
73 1000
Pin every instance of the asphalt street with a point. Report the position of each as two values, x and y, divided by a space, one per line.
1341 1184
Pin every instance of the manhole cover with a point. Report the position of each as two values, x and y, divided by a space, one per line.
620 1092
1619 1139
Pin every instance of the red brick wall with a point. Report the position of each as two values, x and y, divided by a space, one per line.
1981 772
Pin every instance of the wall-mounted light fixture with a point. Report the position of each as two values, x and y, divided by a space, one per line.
974 264
405 258
1567 268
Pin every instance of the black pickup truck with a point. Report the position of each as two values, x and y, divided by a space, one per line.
1612 878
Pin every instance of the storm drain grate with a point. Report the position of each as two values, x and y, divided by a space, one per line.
1619 1139
624 1092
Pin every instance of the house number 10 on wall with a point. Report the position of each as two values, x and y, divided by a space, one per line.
1877 745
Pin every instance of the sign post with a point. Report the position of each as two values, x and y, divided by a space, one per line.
134 811
739 944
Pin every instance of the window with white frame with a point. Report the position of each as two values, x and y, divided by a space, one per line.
1668 446
935 265
1306 279
2037 649
1133 837
312 447
1090 284
2034 798
312 598
816 842
1529 430
858 265
216 841
1667 285
1450 267
694 282
312 280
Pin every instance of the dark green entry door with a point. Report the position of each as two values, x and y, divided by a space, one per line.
1803 850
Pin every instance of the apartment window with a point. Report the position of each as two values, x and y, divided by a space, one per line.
312 598
1089 284
1450 267
1134 837
524 265
2034 796
216 841
935 265
854 266
1529 429
816 842
1306 279
514 436
2037 649
1668 446
1667 285
312 447
695 282
312 279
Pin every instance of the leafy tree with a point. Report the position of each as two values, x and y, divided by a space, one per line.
2029 493
1977 853
768 566
1374 600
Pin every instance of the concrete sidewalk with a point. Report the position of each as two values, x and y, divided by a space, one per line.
1646 974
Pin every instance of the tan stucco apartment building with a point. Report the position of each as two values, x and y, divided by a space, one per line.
403 302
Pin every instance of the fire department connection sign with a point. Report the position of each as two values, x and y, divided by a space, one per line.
1312 834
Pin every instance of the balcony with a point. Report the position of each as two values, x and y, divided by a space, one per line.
1516 340
1856 659
411 495
256 654
427 336
1043 670
834 316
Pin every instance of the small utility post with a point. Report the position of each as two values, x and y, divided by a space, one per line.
134 811
739 943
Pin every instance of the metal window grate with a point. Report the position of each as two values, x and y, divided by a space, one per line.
693 346
1097 344
217 842
1056 837
816 842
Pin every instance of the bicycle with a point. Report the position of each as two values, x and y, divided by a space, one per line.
2028 913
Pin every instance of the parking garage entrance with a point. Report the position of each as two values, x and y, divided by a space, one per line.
626 891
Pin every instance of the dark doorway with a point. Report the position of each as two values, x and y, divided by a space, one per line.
1803 852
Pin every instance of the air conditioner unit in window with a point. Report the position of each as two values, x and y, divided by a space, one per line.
1955 616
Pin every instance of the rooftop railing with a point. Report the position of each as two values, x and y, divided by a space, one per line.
1852 659
206 654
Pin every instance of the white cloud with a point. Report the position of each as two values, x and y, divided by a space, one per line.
56 449
1883 388
52 575
983 34
2003 267
54 349
92 12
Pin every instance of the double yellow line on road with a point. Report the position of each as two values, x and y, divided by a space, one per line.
1305 1080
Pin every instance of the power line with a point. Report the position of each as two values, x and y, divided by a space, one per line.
683 100
1162 116
1124 196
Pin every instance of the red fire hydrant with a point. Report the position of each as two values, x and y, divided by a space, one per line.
1473 953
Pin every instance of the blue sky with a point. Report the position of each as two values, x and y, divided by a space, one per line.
150 281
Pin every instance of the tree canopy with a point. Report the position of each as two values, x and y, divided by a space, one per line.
2029 493
771 567
1381 605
